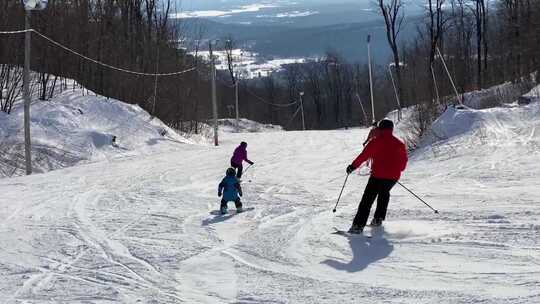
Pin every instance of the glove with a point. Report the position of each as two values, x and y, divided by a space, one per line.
219 194
350 169
251 163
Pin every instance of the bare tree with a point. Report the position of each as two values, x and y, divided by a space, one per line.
392 11
230 45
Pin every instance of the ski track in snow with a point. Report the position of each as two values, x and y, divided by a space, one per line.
139 229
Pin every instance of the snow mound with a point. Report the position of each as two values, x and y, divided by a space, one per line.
75 128
246 126
495 96
534 93
500 125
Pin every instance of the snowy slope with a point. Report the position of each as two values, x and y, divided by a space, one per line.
140 229
75 128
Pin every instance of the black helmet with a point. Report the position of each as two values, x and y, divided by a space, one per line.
230 171
386 124
243 144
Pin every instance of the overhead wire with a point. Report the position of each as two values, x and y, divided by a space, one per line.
58 44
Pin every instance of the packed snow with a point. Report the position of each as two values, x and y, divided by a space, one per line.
141 229
77 127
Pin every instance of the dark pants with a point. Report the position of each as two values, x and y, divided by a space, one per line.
376 188
237 203
238 168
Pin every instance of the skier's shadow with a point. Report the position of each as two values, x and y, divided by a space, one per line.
365 251
218 218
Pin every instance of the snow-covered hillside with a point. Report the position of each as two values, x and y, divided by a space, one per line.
75 128
142 230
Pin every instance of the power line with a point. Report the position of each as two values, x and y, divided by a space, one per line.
292 118
15 32
58 44
269 103
225 83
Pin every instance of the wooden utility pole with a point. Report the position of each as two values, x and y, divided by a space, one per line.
214 96
26 88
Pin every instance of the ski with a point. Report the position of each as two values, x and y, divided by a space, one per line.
347 234
231 211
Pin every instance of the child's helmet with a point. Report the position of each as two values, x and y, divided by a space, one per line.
230 171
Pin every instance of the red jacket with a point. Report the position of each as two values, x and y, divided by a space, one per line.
388 153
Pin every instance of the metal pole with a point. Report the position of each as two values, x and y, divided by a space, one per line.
344 183
302 109
156 83
214 96
449 76
435 84
414 194
26 88
237 110
395 91
370 80
362 107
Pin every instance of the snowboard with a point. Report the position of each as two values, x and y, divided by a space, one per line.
231 211
347 234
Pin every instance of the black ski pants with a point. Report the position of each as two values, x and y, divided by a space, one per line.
238 168
237 203
376 188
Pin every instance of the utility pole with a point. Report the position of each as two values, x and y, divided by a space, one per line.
156 83
302 110
29 6
237 110
370 79
26 88
214 97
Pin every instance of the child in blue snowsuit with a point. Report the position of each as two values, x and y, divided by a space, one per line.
230 188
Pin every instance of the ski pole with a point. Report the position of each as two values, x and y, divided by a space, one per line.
345 182
247 168
436 211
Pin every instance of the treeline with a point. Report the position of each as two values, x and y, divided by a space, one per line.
335 93
136 35
483 43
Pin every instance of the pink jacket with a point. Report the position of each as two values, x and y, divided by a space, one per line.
240 155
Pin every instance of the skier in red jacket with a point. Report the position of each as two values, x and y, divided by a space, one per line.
389 159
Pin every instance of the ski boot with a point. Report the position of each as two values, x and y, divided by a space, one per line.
355 229
376 222
223 210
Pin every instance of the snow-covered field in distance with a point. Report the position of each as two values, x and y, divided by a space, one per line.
248 64
281 12
140 229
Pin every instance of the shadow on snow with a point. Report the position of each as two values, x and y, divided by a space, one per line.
218 218
365 251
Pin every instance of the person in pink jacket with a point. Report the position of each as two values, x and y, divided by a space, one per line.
238 158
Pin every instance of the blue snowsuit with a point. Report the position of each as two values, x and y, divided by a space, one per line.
230 188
